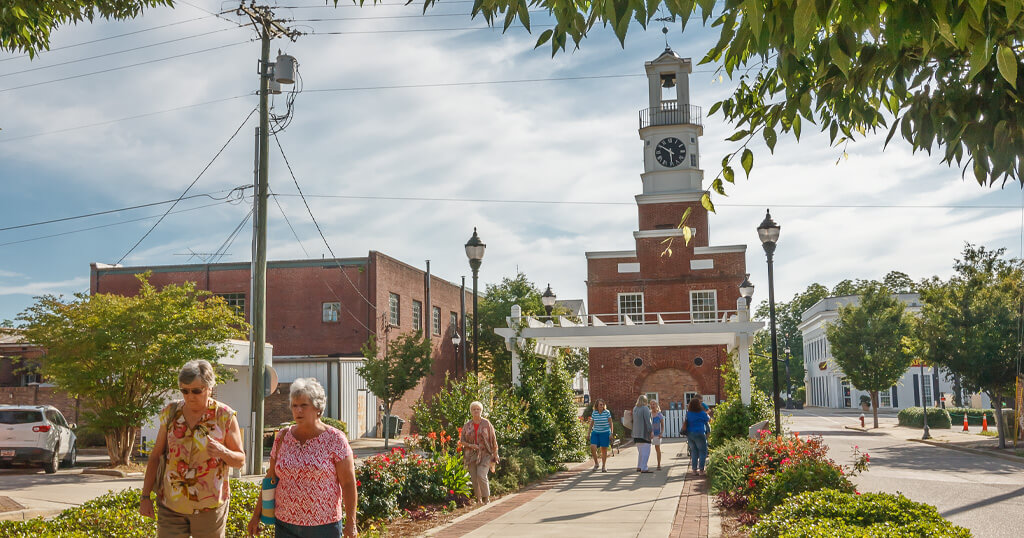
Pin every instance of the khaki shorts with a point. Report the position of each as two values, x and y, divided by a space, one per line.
205 524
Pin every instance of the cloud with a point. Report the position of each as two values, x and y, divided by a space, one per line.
70 286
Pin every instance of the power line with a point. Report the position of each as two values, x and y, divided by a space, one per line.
129 221
386 17
416 30
124 66
318 229
175 40
126 118
239 190
91 41
207 167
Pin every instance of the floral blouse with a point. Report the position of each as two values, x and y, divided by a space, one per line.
308 492
194 481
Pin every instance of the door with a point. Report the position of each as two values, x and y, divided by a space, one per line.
847 400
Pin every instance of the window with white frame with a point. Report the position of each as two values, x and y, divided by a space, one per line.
885 398
417 315
927 386
703 306
435 318
393 309
453 322
652 396
632 305
331 312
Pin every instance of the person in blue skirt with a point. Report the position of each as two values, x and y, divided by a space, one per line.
600 433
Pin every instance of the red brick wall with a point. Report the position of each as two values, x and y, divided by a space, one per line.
69 407
658 216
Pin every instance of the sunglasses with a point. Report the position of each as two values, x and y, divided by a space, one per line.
193 391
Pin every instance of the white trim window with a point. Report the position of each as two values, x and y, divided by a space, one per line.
435 316
703 306
885 398
331 311
393 309
632 305
417 315
453 322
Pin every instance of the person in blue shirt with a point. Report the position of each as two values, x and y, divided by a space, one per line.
600 433
696 427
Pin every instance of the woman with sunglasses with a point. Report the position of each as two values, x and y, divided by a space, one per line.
200 439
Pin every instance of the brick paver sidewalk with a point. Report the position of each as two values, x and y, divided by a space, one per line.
581 502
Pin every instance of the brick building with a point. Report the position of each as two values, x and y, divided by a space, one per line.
17 356
696 283
319 314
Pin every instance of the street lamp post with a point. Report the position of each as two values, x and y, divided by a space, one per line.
924 405
475 252
548 300
456 340
746 289
768 231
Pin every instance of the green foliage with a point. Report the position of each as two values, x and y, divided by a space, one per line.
800 394
969 323
974 416
795 478
733 419
914 418
571 443
25 25
553 430
727 464
406 360
867 342
519 467
834 514
123 353
116 515
448 410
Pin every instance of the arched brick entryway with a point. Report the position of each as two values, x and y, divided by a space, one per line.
671 384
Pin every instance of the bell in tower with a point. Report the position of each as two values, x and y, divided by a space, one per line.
670 128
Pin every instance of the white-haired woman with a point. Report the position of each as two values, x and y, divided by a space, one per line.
201 439
643 433
315 472
479 450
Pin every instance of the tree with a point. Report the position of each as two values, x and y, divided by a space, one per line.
867 342
25 25
405 362
970 324
943 74
122 354
787 319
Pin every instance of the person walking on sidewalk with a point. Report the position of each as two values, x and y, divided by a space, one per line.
658 423
479 450
696 427
199 439
600 433
314 468
643 432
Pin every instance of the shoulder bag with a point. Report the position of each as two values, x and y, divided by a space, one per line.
161 466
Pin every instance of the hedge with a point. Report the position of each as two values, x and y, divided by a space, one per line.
914 418
974 415
733 419
832 514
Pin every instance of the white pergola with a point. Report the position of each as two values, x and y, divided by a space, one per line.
733 329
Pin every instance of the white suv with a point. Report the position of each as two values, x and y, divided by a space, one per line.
36 434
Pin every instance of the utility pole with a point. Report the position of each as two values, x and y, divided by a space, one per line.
269 28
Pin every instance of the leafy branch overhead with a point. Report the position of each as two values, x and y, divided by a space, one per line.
944 74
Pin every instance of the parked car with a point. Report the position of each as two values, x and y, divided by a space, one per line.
36 434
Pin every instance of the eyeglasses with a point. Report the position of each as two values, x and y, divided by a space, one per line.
185 392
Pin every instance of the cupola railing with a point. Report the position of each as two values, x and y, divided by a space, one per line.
671 113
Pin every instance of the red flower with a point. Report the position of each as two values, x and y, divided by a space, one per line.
432 435
451 492
359 483
867 457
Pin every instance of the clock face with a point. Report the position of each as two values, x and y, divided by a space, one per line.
670 152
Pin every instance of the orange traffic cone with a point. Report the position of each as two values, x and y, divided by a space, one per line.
984 423
965 422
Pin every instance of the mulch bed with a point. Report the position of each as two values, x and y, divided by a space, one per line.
731 526
419 522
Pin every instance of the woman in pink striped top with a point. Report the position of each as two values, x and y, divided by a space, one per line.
315 469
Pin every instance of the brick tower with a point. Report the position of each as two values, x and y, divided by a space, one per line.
695 283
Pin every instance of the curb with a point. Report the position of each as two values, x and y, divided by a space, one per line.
857 428
714 518
30 513
111 472
1007 457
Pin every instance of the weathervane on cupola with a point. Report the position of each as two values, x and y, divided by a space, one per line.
664 26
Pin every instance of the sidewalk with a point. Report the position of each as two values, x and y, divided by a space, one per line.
581 502
953 438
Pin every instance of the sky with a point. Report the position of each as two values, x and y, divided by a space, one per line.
410 131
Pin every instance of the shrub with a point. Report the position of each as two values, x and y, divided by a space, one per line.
268 436
800 394
914 418
798 477
833 514
733 419
448 410
726 464
116 515
519 467
865 399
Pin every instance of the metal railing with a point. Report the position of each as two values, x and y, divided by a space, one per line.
671 113
646 318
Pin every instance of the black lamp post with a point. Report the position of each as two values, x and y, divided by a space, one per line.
789 383
475 252
924 404
768 231
548 299
456 340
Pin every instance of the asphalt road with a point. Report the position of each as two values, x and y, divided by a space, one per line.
984 494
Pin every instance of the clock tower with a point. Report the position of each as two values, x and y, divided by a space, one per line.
670 128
